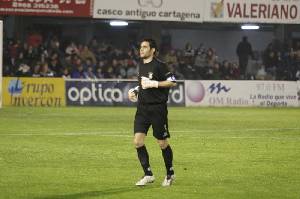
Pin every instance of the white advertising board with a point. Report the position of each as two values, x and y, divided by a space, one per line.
298 92
260 11
241 93
156 10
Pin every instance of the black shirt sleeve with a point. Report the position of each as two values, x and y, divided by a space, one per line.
165 73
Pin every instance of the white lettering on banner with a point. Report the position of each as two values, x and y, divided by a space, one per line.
48 6
86 94
50 1
177 95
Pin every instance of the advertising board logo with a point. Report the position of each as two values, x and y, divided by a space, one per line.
217 88
195 91
176 95
217 9
150 3
95 93
15 87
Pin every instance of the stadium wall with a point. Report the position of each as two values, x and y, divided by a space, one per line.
58 92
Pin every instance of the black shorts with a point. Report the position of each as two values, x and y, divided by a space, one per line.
155 115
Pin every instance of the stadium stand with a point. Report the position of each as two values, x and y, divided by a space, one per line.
39 56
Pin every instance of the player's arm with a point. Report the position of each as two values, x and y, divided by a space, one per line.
147 83
166 84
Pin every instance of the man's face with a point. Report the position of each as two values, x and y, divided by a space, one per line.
145 50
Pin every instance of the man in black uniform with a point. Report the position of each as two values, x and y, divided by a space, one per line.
152 96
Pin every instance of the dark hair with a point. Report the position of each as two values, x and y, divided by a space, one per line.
152 43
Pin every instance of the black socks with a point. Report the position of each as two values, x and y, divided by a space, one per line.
144 160
167 154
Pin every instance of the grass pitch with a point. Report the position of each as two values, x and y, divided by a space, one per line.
87 153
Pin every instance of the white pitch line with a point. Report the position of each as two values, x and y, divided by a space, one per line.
106 134
103 131
127 135
131 136
234 130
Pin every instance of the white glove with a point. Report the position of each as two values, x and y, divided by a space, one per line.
147 83
133 94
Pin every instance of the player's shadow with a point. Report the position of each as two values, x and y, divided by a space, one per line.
91 194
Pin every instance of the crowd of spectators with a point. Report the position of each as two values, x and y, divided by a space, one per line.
40 57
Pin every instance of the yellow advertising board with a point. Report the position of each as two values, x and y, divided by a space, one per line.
44 92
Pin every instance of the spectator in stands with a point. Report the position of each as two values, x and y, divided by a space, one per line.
108 71
201 64
34 39
216 73
55 65
116 65
67 61
170 57
36 70
210 58
226 70
186 63
99 74
54 46
87 54
244 50
123 69
271 62
66 73
88 63
46 71
23 71
13 51
261 73
93 45
235 72
78 72
188 50
89 73
132 71
72 49
200 61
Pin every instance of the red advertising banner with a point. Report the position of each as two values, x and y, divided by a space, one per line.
66 8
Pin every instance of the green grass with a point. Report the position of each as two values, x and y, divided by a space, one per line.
87 153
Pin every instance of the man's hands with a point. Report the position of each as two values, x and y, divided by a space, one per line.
133 94
147 83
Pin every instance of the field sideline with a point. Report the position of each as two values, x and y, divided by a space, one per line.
87 153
